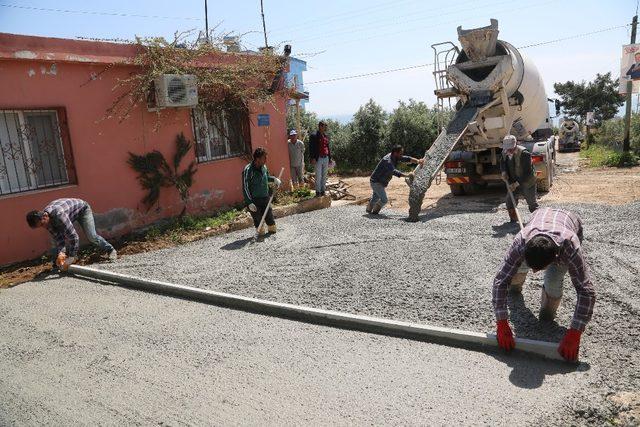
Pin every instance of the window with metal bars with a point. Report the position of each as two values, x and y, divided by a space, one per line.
221 135
33 151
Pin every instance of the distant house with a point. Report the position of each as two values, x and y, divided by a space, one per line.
56 142
295 79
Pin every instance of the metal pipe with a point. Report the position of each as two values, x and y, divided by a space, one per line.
375 325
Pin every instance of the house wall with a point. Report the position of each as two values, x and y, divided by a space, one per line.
100 147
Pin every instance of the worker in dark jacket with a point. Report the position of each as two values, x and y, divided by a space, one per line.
255 188
519 174
387 168
320 156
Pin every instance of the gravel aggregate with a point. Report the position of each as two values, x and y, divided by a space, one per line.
438 271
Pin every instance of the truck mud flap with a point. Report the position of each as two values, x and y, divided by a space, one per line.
435 157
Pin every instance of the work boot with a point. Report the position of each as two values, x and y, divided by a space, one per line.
513 216
369 207
262 231
272 228
375 210
548 306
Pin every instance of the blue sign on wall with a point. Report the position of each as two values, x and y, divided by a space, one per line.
263 120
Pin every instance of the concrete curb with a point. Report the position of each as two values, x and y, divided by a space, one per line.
414 331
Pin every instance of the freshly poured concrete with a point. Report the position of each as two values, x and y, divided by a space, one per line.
78 352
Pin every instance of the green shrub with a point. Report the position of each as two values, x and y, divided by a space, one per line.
603 156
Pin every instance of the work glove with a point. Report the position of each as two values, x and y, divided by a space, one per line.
60 259
66 262
277 182
513 186
252 207
504 335
421 162
570 345
409 178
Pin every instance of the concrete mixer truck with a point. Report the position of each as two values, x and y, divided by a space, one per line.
498 92
569 136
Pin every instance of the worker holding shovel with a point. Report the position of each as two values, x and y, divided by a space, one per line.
255 188
552 241
518 173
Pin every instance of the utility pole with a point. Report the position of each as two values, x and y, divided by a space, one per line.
264 26
627 117
206 20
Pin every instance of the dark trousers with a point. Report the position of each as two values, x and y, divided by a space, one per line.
261 204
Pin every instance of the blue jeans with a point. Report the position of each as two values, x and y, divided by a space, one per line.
88 224
379 193
322 168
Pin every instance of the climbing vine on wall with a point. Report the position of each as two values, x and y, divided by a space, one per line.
226 81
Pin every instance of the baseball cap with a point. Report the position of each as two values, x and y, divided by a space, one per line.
293 132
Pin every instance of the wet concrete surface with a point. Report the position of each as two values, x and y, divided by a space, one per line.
438 271
77 352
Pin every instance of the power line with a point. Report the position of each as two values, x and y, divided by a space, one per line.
91 12
393 70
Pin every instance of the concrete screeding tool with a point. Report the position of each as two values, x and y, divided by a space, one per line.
376 325
264 214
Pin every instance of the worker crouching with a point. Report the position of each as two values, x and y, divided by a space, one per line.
255 188
552 242
519 175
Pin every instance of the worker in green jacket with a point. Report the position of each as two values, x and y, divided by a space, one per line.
255 188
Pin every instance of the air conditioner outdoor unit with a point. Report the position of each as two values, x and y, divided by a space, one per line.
176 90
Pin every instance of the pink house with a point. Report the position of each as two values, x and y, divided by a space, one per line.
56 142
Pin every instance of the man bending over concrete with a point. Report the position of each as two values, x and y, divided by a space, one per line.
58 217
552 242
519 174
255 188
386 169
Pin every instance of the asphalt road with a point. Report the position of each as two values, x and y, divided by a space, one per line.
78 352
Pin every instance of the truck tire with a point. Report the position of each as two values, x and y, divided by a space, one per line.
456 189
545 184
473 188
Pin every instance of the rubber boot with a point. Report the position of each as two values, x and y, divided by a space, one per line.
375 210
272 228
513 216
548 306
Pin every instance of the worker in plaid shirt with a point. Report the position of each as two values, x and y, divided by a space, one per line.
552 242
58 217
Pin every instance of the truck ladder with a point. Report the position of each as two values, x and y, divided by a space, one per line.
435 157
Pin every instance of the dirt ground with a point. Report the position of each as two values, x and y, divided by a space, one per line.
574 182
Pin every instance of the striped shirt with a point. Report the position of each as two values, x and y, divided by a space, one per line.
62 214
565 229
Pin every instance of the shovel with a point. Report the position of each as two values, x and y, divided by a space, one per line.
264 215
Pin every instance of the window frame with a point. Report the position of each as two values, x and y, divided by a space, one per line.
65 160
243 131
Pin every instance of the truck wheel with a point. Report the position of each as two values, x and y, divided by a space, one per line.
473 188
456 189
545 184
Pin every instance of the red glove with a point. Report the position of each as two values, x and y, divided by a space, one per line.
505 336
570 345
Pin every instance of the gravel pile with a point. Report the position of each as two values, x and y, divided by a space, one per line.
438 271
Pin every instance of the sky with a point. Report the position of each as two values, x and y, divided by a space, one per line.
346 38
